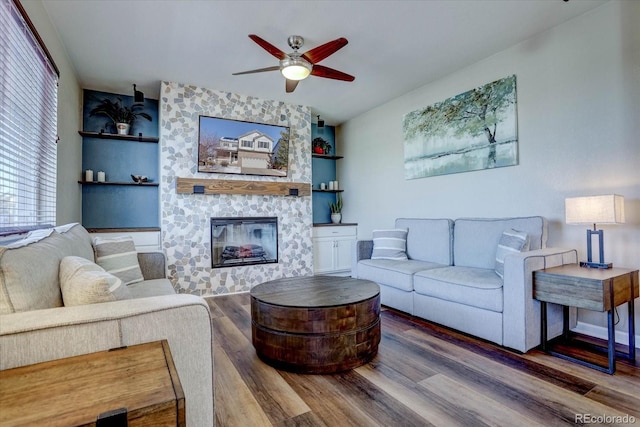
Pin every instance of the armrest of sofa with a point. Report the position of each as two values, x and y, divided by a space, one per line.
183 320
521 313
152 265
362 249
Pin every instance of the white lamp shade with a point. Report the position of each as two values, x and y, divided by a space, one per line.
606 209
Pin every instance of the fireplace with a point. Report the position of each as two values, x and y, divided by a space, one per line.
243 241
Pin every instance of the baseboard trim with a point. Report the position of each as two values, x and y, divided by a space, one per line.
601 332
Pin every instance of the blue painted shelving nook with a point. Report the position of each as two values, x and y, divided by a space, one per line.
119 203
324 170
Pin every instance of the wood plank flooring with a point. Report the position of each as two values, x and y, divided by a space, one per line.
424 374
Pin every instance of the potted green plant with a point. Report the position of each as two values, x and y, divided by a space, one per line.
336 210
121 116
320 146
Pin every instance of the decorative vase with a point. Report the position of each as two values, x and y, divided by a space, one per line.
336 218
123 128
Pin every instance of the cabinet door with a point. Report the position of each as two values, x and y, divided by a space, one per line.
322 255
342 252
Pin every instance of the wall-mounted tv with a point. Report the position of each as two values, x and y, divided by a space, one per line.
240 147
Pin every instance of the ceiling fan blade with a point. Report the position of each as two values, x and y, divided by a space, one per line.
330 73
317 54
268 46
258 70
291 85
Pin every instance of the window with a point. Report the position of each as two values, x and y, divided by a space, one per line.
28 125
263 144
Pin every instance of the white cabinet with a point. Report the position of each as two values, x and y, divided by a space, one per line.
332 247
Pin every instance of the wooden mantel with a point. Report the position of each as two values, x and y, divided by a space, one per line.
223 186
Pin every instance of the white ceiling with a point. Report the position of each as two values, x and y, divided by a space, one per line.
394 46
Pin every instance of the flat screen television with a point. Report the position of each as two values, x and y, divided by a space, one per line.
241 147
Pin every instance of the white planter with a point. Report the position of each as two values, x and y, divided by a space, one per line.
123 128
336 218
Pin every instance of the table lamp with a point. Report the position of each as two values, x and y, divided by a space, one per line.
606 209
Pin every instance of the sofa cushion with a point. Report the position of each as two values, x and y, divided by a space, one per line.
476 287
118 256
397 274
512 241
428 239
389 244
476 240
151 288
84 282
29 268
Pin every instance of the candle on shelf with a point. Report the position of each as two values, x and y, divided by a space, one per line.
101 176
88 175
330 185
323 186
335 185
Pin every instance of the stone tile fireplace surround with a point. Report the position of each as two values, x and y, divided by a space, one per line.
185 218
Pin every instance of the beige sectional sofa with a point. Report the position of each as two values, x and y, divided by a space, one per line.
36 326
449 277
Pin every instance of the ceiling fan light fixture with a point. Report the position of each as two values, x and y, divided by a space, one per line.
295 68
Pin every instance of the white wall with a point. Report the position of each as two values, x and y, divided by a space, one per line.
69 193
578 94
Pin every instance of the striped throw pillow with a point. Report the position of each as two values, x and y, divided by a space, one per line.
511 242
83 282
390 244
118 256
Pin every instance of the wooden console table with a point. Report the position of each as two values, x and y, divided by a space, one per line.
85 390
592 289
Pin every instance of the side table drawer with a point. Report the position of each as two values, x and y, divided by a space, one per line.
581 287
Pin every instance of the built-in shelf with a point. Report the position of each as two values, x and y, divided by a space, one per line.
150 184
331 224
325 156
133 138
316 190
123 230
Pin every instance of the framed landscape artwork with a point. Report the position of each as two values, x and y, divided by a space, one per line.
471 131
240 147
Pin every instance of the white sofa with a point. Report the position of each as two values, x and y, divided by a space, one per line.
36 327
449 277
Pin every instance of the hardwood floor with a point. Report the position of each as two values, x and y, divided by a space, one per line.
424 374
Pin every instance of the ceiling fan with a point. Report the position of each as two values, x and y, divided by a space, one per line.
295 66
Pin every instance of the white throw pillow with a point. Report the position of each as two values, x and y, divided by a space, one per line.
84 282
512 241
118 256
390 244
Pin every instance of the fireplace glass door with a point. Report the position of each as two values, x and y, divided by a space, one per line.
243 241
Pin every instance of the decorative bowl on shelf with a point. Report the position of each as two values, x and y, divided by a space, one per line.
139 178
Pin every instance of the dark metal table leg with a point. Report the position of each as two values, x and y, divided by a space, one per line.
543 327
612 343
565 322
612 335
632 331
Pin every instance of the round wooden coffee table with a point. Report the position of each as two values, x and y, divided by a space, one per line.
316 324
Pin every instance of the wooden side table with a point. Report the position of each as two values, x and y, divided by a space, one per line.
136 386
592 289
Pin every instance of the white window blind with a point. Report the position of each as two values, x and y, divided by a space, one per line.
28 125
